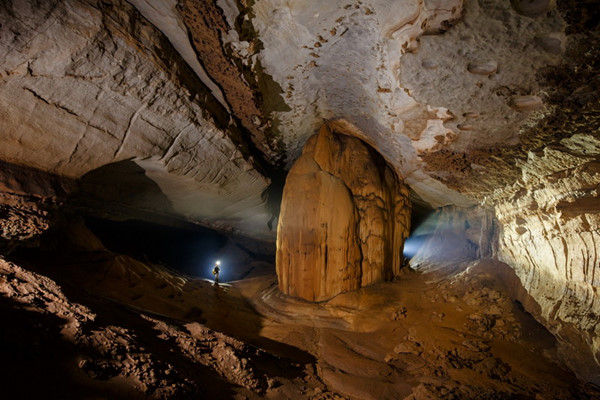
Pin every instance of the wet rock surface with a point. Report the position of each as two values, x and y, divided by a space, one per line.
456 334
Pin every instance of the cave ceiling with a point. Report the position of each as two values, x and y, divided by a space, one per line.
214 100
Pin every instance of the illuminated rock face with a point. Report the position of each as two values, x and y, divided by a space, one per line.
344 218
91 86
551 237
454 235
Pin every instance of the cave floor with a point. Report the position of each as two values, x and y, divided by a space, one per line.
95 324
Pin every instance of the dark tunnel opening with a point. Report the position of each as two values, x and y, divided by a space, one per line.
420 214
190 251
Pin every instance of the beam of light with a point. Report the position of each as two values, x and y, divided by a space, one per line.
413 244
443 239
420 235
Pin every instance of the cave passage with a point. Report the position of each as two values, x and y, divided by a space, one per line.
422 224
422 230
413 244
189 251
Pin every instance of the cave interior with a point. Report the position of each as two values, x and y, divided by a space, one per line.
403 199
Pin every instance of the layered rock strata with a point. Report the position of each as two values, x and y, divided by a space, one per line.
344 218
551 237
86 84
546 228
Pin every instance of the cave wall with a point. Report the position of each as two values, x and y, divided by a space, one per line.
546 229
85 84
343 222
476 103
29 203
551 237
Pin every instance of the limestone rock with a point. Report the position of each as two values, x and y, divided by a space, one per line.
29 204
429 64
465 127
532 8
86 85
485 67
343 221
484 74
169 117
408 347
318 254
550 236
353 73
527 103
549 44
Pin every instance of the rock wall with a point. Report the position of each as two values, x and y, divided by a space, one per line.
343 222
551 237
29 200
85 84
546 228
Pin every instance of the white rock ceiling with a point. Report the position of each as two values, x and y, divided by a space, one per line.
78 93
410 77
383 67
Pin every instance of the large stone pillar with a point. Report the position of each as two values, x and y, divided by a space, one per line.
344 218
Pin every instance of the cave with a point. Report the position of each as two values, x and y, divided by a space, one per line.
402 198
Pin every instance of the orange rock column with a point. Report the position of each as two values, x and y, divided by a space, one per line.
344 218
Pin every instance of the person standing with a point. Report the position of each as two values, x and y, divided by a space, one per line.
216 271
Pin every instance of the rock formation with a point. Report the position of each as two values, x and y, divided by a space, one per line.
550 241
192 112
551 237
85 84
343 221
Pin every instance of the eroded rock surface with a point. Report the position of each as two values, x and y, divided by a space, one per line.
550 235
460 333
29 204
344 219
551 241
87 84
76 350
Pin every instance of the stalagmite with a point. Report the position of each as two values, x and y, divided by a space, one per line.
343 221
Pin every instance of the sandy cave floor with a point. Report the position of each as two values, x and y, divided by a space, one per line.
94 325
